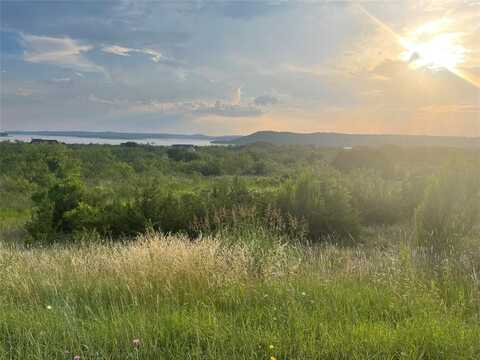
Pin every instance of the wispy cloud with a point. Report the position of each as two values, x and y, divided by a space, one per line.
155 55
63 52
117 50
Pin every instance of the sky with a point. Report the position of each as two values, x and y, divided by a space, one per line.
236 67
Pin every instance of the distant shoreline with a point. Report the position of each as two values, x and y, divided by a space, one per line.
319 139
112 135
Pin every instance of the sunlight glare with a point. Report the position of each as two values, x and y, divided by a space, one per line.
429 47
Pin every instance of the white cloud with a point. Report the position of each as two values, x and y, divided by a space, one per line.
237 96
63 52
195 107
117 50
155 55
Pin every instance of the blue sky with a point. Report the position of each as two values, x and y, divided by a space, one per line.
235 67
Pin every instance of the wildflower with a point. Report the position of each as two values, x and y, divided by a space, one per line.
273 358
76 357
136 343
49 307
304 293
271 347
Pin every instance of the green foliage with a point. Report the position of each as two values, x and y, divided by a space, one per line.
364 158
450 209
120 191
323 201
248 280
377 200
180 154
54 208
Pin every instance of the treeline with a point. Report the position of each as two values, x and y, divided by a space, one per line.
308 193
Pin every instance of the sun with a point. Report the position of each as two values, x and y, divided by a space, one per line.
431 46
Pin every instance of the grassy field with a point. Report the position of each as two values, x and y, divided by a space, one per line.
169 298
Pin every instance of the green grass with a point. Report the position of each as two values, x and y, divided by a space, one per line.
205 300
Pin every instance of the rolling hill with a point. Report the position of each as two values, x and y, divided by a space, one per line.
350 140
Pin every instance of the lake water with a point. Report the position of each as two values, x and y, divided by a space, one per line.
92 140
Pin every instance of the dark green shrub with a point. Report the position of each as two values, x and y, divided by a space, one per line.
181 154
377 200
323 201
52 208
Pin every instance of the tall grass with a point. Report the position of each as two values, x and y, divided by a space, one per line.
210 299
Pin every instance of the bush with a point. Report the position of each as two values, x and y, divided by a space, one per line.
376 199
449 210
181 154
324 202
121 191
53 208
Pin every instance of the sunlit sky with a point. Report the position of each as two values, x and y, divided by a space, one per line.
401 66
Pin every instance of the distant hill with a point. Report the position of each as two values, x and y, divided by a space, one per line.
350 140
123 136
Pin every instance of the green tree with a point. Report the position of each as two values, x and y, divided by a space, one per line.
52 207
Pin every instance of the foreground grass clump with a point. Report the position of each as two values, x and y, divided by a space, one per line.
170 298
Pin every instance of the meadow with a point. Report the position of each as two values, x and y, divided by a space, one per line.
257 252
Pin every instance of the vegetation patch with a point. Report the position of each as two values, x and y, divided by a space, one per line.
255 252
